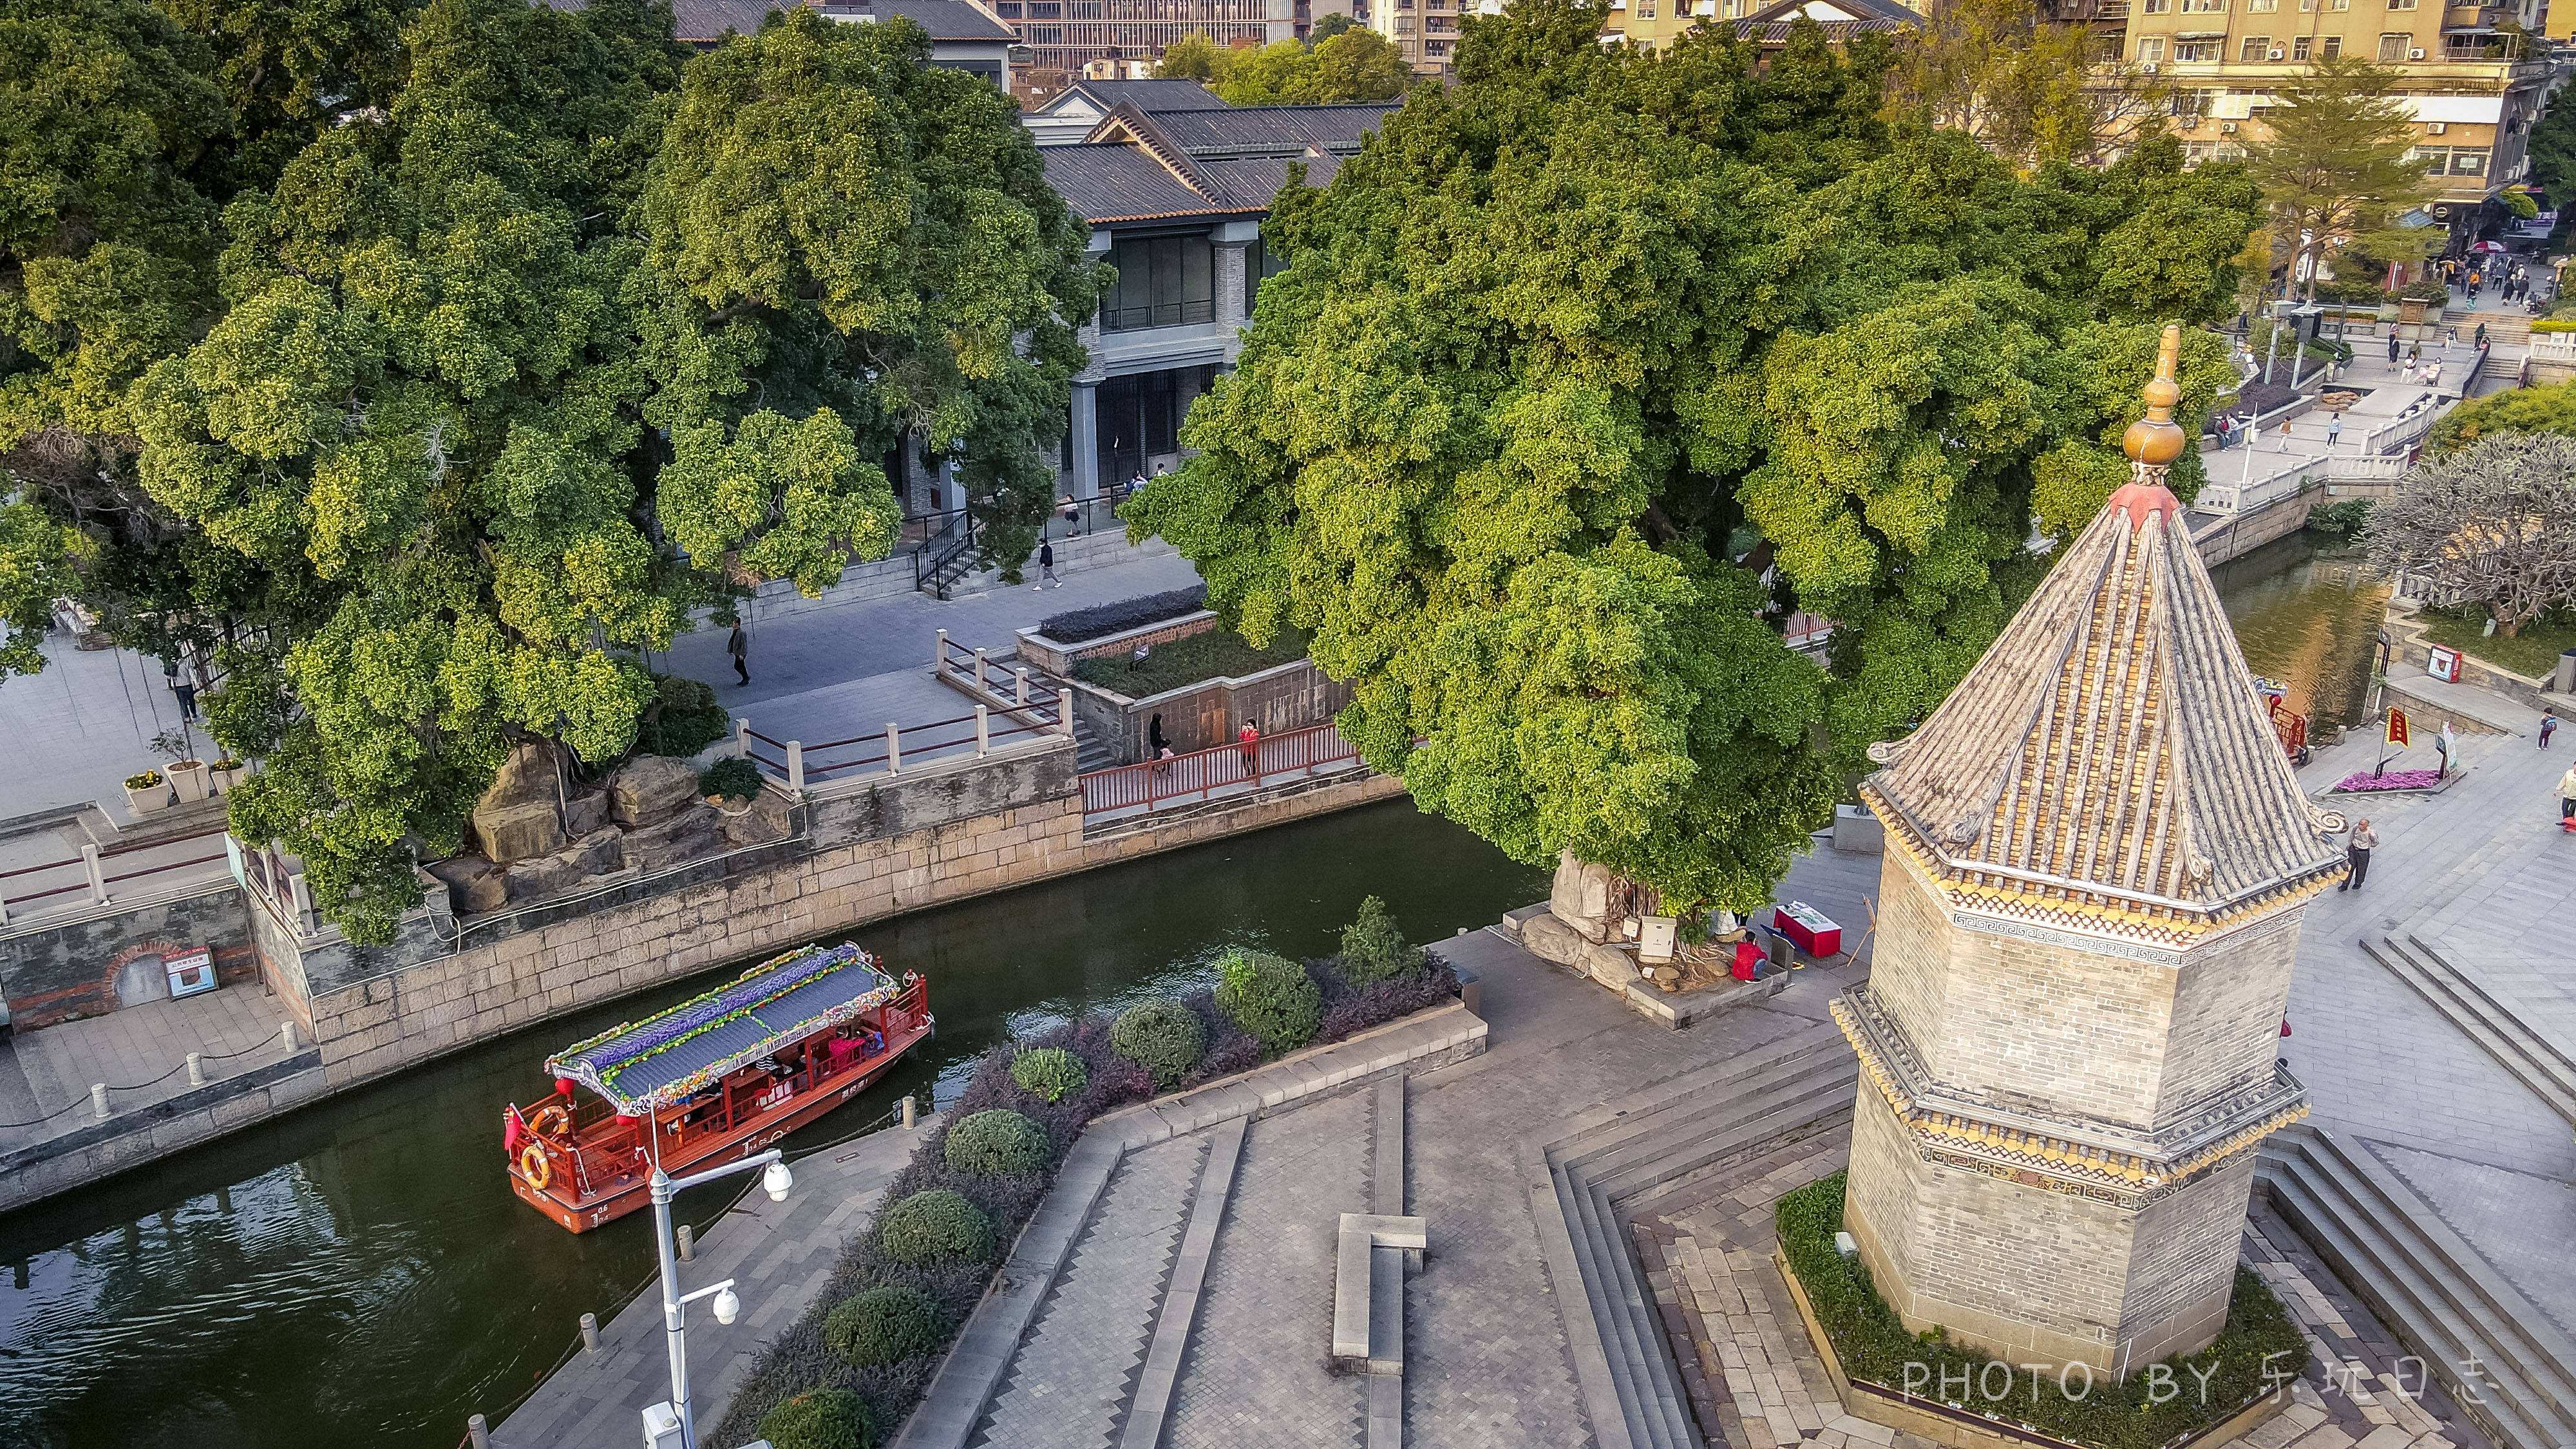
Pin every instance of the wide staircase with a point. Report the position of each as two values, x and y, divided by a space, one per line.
2505 1365
1653 1143
2479 1016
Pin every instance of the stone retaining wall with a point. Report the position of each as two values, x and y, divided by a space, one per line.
110 955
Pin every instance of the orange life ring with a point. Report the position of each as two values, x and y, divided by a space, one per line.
552 1121
535 1167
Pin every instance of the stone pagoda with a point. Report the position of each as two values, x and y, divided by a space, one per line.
2097 859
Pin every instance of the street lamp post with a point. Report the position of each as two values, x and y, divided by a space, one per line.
670 1425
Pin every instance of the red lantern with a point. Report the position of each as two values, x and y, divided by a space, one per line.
625 1120
563 1086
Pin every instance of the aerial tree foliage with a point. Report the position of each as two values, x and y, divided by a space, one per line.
289 70
845 234
2335 170
2029 89
2547 408
1192 57
1595 364
2491 523
1342 64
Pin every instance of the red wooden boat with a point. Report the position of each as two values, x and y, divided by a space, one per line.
718 1077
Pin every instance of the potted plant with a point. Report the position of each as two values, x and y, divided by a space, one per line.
188 774
228 772
146 792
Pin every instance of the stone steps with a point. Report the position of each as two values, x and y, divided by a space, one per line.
2525 1053
1636 1147
2428 1286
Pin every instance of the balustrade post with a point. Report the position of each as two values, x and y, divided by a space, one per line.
983 732
286 1033
742 739
97 876
939 654
1020 686
299 893
477 1433
795 764
894 748
196 1069
979 671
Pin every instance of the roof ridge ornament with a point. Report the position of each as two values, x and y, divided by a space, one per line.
2153 442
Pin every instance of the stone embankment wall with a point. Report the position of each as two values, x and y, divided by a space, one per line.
862 850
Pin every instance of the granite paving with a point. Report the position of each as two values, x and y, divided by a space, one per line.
1256 1373
1070 1384
2510 1217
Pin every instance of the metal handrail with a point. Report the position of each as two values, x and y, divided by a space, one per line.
1202 772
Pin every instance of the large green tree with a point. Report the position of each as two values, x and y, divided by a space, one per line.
290 70
2335 170
1348 65
1586 341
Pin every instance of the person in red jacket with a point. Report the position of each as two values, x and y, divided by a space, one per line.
1250 736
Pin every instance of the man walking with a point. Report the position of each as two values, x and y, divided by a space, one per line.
2392 345
2364 841
1046 567
739 646
2548 727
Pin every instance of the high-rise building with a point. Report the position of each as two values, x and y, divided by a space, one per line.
2473 86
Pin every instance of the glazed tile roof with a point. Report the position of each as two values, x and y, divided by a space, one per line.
1152 96
680 1051
1336 129
2110 749
1105 183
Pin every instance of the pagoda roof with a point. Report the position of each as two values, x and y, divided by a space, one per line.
2109 756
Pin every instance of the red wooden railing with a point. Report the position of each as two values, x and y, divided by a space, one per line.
1199 774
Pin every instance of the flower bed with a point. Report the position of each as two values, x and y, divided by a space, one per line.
2259 1350
803 1394
2363 781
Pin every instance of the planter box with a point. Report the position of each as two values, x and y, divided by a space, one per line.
190 779
144 802
1050 656
225 780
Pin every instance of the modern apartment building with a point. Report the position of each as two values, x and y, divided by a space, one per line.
2472 87
1426 30
1654 24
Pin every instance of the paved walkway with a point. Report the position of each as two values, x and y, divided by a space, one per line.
141 1052
779 1256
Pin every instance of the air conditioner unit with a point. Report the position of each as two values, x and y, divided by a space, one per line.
2436 128
2227 128
2417 54
2278 54
2149 67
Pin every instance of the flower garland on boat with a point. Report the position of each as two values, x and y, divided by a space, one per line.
703 1013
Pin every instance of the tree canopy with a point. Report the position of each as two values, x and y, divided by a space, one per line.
2491 523
492 385
1583 342
1345 63
2028 88
2336 170
2547 408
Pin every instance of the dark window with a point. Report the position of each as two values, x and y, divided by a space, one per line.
1139 417
1163 281
1260 264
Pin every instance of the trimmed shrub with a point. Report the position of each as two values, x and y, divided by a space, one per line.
1270 997
1162 1036
1357 1008
1077 625
1049 1072
1873 1344
937 1226
998 1143
820 1419
885 1325
683 718
1372 948
734 779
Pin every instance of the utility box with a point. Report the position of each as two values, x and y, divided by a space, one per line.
662 1426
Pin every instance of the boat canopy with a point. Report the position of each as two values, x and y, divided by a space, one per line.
677 1053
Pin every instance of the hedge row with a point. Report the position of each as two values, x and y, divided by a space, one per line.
1076 626
2259 1348
847 1374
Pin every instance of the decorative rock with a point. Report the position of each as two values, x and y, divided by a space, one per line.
534 880
583 814
512 833
765 819
601 852
698 831
474 885
1550 939
527 776
650 789
1581 896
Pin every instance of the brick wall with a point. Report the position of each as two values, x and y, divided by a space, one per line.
63 972
2228 1006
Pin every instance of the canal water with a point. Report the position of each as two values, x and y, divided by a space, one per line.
358 1273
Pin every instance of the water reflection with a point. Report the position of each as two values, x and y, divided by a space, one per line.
360 1273
2307 613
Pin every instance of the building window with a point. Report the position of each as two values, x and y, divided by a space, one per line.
2393 47
2187 52
2401 4
1645 9
2329 46
2299 48
2254 50
2204 7
1404 25
1436 47
1442 24
2468 163
1007 9
2151 48
1163 281
2261 7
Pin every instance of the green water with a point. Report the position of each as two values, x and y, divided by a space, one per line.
358 1273
2307 614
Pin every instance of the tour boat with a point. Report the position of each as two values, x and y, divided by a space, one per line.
712 1079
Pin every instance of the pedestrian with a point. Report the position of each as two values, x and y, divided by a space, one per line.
1072 515
2392 345
2334 428
2567 800
739 646
2481 339
2446 744
1046 566
2222 427
2357 854
182 688
1154 741
1250 738
2414 353
2548 727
